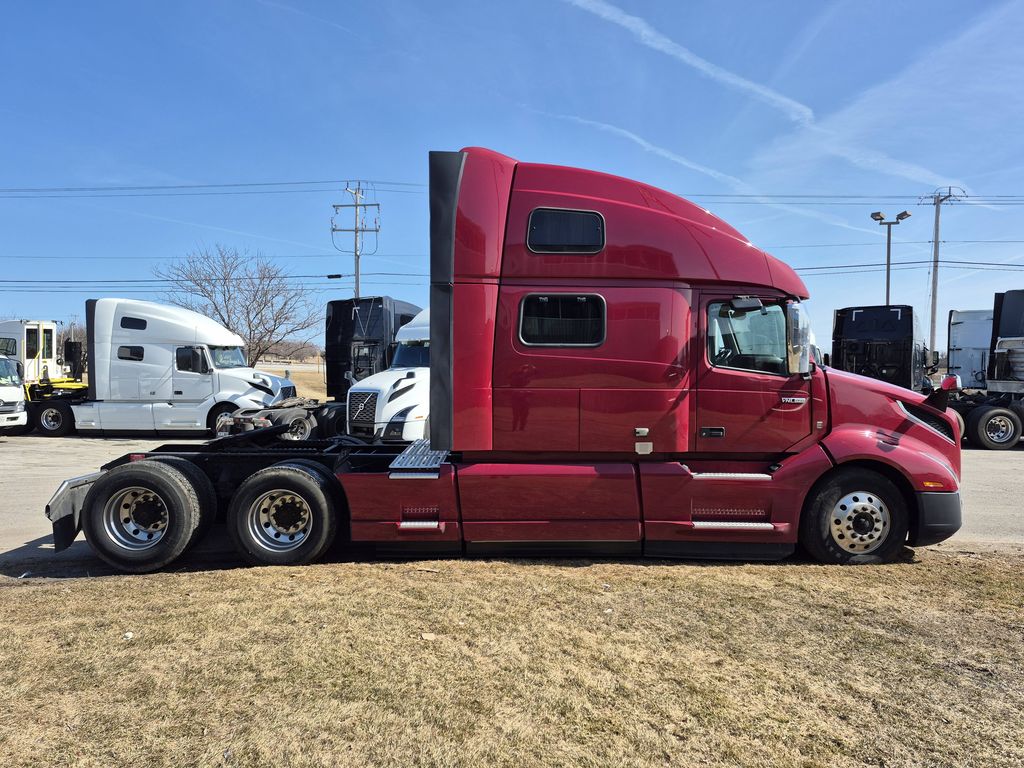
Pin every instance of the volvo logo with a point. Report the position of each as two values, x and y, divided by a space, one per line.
359 409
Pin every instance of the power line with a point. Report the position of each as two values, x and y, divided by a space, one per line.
208 186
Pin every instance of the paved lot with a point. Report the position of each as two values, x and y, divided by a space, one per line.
31 468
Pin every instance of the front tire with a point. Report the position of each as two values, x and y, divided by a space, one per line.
140 517
54 419
284 515
854 516
216 412
996 429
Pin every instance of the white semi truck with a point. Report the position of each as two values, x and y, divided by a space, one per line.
13 416
157 369
394 405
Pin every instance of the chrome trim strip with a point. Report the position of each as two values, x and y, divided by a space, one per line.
413 475
731 475
729 525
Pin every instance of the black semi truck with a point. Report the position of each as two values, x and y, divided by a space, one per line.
885 343
360 339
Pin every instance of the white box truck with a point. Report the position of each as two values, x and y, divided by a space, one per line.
13 416
157 369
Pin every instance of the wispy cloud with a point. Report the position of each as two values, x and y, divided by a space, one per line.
652 38
737 184
829 140
308 15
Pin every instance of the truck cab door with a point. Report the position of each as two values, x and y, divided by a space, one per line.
192 380
747 400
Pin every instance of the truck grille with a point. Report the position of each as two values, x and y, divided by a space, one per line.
362 407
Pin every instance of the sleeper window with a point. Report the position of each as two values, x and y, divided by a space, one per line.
552 230
749 340
130 353
562 320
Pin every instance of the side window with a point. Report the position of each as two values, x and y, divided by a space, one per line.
130 353
48 342
562 320
749 340
133 323
191 360
8 346
183 359
553 230
31 343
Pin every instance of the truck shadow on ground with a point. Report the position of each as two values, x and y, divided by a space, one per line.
37 560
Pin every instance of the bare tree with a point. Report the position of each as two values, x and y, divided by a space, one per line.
244 292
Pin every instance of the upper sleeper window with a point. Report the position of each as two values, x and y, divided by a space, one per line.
130 353
133 323
553 230
562 320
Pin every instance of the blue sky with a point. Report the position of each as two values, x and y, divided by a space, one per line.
700 98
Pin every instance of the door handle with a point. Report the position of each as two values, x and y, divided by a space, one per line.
712 431
178 392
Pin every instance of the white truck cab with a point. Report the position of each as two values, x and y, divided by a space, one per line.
393 405
12 396
157 368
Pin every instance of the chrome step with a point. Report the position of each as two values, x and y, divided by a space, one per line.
418 461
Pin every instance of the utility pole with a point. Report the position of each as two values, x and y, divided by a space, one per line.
937 199
358 224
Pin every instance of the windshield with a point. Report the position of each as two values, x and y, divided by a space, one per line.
412 354
228 357
9 374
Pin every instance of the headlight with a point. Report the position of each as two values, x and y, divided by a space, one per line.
19 407
396 426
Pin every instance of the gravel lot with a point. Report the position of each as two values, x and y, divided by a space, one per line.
32 467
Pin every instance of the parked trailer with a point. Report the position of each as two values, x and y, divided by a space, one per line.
986 349
614 370
885 343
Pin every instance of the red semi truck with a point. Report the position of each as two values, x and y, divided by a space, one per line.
614 371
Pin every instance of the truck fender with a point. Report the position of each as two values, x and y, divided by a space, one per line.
919 466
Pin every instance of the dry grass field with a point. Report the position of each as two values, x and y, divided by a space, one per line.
520 663
307 383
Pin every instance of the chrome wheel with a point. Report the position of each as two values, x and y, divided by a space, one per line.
298 429
279 520
135 518
51 419
859 522
1000 429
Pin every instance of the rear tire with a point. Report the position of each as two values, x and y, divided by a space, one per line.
301 424
854 516
205 492
992 428
140 517
54 419
286 514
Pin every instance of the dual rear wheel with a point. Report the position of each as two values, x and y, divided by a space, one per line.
142 516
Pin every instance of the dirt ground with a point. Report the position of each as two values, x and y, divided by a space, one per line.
516 663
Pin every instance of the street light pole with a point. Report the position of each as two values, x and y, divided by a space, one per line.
880 218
